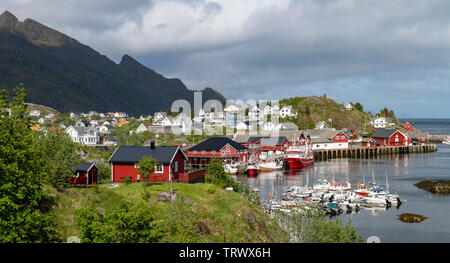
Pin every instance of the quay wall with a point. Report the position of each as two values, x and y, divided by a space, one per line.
370 152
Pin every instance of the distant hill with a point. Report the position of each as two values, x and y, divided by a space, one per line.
60 72
313 109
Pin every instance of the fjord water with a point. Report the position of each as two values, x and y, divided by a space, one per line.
432 126
403 171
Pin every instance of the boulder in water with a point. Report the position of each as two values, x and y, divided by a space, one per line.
411 218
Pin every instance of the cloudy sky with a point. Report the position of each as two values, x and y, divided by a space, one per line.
380 53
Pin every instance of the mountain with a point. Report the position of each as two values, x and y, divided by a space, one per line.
62 73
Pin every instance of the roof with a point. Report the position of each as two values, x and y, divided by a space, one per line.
289 126
383 133
270 141
216 144
111 138
133 154
84 167
83 129
254 139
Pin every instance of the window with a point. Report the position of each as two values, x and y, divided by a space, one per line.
176 166
213 152
203 152
195 152
159 168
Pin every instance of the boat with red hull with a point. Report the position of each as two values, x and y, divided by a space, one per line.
298 162
300 154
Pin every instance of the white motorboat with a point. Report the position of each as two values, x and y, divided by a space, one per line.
270 166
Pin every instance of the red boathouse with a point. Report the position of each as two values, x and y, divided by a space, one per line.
386 137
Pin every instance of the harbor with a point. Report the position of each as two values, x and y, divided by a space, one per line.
402 170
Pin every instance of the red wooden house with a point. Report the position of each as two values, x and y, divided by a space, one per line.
85 174
386 137
408 126
170 163
217 147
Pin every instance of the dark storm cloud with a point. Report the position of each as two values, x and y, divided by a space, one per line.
381 53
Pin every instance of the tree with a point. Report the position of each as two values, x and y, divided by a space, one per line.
61 157
123 224
145 166
215 174
23 217
359 107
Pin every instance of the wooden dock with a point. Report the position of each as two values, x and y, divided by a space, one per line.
371 152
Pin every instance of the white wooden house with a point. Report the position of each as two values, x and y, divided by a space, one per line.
84 135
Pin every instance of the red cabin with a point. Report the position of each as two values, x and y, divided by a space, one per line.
386 137
85 175
170 163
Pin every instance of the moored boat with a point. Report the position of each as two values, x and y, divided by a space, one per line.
270 166
300 154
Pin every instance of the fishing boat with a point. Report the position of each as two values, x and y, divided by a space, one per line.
321 185
270 166
362 190
253 169
300 154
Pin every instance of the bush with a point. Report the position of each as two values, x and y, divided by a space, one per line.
122 224
211 190
311 226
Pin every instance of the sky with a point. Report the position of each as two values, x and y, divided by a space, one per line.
381 53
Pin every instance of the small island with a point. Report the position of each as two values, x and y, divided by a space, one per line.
411 218
437 187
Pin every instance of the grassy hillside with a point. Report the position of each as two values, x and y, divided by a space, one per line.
314 109
220 216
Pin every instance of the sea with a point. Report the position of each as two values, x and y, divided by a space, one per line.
400 172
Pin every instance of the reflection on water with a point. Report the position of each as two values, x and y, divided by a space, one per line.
402 171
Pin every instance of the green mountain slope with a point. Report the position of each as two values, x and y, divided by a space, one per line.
60 72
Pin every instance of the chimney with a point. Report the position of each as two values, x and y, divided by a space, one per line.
152 144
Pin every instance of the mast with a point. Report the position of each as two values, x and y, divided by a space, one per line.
387 183
373 178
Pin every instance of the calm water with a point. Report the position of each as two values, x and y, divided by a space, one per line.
403 172
432 126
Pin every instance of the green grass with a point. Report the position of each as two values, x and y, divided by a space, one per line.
225 212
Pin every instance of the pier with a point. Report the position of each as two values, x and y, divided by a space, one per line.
371 152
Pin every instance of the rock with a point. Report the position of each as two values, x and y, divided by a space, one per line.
229 188
203 228
188 200
166 197
250 218
411 218
438 187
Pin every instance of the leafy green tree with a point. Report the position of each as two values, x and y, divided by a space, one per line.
61 157
23 216
215 174
121 224
145 166
359 107
312 226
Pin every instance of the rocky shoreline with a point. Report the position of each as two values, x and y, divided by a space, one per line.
438 187
438 138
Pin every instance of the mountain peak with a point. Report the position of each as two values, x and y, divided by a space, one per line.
126 59
34 31
8 20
